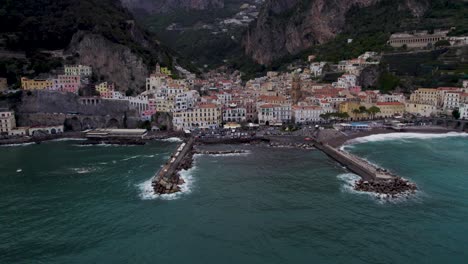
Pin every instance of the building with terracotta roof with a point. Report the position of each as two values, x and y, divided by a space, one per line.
390 109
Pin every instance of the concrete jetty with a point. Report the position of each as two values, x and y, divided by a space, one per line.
357 165
374 179
167 179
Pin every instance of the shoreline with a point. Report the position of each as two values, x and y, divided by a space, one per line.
344 139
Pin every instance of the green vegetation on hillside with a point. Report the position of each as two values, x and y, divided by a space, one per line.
32 26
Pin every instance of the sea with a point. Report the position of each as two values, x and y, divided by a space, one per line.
62 202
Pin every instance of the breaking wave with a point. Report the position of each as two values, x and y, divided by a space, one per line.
172 139
402 136
18 144
147 191
83 170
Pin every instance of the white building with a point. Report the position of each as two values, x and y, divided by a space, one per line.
7 121
272 114
186 100
80 70
233 113
390 98
451 100
346 81
307 114
463 109
316 68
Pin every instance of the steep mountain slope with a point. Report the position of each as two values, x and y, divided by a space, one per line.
100 33
287 27
163 6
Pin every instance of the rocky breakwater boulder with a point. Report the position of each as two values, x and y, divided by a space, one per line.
291 145
392 188
170 183
221 152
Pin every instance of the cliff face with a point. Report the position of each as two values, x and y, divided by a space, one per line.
290 26
52 108
162 6
110 60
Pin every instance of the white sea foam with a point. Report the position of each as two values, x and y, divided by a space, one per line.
131 157
67 139
83 170
172 139
403 136
349 182
18 145
104 145
147 191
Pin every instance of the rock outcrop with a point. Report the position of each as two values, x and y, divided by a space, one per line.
289 26
393 188
163 6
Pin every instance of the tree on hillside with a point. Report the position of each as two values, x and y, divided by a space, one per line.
373 110
442 43
456 114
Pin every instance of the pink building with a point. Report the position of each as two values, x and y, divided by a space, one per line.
67 83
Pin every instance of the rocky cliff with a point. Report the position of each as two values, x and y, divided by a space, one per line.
99 33
163 6
290 26
110 61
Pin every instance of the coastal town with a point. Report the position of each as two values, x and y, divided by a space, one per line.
298 108
220 99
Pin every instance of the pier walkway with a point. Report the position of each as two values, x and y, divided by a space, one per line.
166 180
357 165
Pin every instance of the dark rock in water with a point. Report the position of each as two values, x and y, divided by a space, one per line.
171 183
221 152
392 187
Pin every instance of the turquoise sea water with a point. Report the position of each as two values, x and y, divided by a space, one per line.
62 203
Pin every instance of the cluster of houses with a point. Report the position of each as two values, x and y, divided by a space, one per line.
275 99
74 77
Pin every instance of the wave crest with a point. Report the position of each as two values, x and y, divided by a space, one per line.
172 139
403 136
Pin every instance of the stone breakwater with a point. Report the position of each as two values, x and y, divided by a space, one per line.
168 179
374 179
393 188
291 145
220 152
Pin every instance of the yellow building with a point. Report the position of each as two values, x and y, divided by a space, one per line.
390 109
420 109
36 84
203 116
165 70
426 96
104 87
351 107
